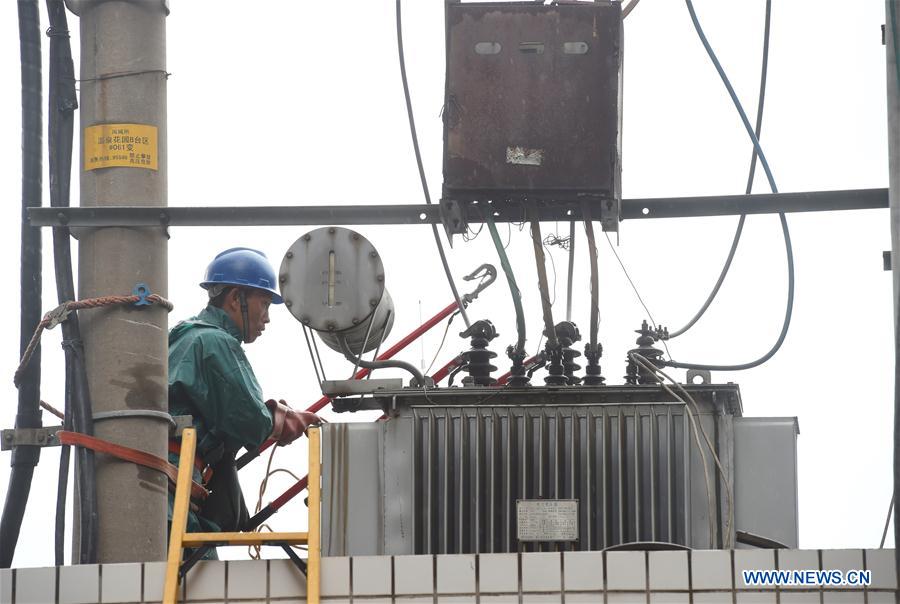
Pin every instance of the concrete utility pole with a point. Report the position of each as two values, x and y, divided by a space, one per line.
123 162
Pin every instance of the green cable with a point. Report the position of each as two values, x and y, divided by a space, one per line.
511 279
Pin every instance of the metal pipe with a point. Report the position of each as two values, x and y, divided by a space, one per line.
28 413
125 349
348 354
892 47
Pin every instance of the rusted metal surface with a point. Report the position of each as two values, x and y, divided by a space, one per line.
532 102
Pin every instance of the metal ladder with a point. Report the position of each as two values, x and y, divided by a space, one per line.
180 538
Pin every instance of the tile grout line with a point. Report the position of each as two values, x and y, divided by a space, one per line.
605 580
562 578
647 576
690 565
733 578
865 567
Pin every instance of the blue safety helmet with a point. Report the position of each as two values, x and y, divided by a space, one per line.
243 267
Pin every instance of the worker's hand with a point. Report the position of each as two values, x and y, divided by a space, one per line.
288 424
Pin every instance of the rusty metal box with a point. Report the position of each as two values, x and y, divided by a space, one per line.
533 101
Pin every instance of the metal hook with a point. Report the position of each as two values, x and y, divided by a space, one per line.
487 273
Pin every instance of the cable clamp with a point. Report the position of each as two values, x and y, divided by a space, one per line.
58 315
142 291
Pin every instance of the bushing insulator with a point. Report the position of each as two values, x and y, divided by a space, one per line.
636 374
518 377
477 360
592 375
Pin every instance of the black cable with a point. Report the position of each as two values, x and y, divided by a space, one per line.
740 226
789 251
415 141
61 118
28 412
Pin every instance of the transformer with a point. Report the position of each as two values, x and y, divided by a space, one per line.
445 472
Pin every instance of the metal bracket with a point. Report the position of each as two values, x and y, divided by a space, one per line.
141 290
181 422
610 215
29 437
703 374
333 388
453 217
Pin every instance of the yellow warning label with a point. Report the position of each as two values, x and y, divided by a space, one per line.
121 146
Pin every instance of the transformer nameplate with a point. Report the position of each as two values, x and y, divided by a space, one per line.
547 519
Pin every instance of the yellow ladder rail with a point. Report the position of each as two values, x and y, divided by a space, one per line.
180 538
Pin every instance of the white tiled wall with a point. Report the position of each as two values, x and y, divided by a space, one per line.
668 577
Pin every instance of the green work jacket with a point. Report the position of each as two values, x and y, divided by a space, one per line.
211 379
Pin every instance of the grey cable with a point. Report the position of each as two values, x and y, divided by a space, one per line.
415 141
571 270
740 226
788 247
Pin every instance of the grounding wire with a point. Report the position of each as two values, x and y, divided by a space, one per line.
711 506
415 141
636 292
729 496
740 226
789 252
441 346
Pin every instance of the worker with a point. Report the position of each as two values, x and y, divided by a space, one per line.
211 380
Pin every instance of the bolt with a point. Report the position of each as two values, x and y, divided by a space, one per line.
307 237
8 437
355 236
282 278
164 218
379 278
373 254
40 438
331 230
355 320
304 320
373 302
331 326
288 303
63 219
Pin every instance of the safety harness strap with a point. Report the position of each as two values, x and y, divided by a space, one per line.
136 456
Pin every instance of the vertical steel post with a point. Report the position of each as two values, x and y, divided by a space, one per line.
892 47
123 85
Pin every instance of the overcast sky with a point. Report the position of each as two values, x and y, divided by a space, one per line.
289 103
